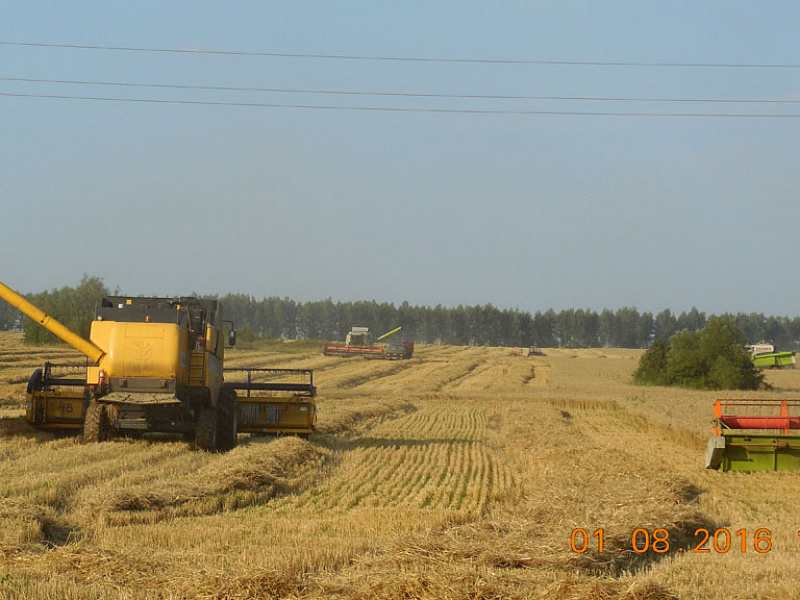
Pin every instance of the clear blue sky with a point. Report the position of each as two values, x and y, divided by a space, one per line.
523 211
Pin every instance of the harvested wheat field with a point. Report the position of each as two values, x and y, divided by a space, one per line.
461 473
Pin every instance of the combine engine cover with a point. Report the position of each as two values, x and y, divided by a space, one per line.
140 357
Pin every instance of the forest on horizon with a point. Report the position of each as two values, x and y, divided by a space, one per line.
486 325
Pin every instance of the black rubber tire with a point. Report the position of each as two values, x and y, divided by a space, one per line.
205 435
36 382
96 425
227 425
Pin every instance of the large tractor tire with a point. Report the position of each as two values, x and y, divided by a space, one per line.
227 426
96 424
205 436
36 382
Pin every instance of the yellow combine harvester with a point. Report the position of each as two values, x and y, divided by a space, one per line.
156 365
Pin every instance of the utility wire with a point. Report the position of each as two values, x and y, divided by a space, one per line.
391 94
409 110
589 63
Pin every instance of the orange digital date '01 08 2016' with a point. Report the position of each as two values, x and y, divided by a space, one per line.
658 540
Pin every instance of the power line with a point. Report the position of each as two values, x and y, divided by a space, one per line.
408 109
392 94
588 63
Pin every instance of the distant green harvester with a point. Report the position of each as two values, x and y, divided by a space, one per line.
764 356
774 359
755 435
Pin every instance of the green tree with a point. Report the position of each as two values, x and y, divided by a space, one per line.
565 325
683 360
653 364
713 358
665 325
544 329
73 307
588 328
725 358
607 329
10 317
633 331
694 320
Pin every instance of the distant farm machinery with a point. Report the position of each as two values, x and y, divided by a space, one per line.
764 356
755 435
359 343
526 352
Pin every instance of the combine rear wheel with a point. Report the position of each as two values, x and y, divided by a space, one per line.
227 427
96 424
205 436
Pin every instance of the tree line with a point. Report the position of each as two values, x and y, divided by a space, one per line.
714 358
488 325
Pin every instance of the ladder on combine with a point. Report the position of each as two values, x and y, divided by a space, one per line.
755 435
197 368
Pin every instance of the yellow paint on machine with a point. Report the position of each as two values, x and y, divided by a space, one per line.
139 350
55 409
271 415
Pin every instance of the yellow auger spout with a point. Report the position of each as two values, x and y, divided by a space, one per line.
385 335
49 323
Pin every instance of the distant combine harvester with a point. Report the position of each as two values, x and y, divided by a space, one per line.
764 356
359 343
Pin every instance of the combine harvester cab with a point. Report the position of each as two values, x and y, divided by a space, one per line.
274 401
755 435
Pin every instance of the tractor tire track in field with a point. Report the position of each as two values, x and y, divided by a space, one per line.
368 375
436 457
490 372
379 375
539 375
